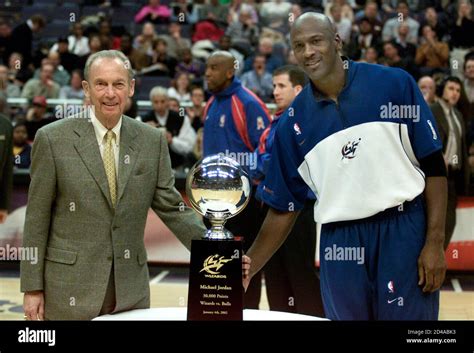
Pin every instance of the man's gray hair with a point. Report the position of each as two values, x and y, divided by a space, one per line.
110 54
158 91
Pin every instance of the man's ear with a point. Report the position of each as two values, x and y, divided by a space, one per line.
298 89
85 87
132 88
338 42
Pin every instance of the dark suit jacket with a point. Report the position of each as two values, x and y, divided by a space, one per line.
443 127
6 161
79 234
21 42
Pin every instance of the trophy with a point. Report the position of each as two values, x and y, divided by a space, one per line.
218 188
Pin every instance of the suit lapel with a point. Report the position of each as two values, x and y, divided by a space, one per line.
129 148
88 149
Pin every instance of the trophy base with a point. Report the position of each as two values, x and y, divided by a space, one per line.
215 280
213 234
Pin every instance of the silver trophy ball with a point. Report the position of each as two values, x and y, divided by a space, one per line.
218 188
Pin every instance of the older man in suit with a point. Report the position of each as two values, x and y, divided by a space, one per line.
93 179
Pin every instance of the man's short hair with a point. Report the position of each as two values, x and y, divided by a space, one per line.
295 74
158 91
110 54
442 85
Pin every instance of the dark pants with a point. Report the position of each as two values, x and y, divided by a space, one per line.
451 209
290 275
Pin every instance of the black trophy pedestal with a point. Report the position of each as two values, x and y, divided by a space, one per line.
215 280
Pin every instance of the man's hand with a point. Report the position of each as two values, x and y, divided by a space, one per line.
431 266
33 305
3 216
169 138
246 261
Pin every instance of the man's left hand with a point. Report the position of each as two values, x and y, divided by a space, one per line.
169 137
431 266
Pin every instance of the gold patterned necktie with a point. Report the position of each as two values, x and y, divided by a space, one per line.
109 164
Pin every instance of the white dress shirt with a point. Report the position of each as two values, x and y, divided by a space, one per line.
100 131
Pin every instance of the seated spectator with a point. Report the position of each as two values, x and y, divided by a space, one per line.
60 75
17 72
180 88
343 25
371 13
406 49
266 48
10 89
432 54
174 40
237 7
244 30
108 40
189 65
274 13
42 86
346 9
153 12
180 135
21 147
363 39
68 60
95 45
214 10
259 81
436 22
224 43
184 11
131 108
469 78
427 86
144 41
137 56
371 56
173 104
37 116
393 59
390 29
74 90
5 34
196 111
78 44
161 63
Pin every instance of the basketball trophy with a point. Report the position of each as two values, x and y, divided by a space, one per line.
218 188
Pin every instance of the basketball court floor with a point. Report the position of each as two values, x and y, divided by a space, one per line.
169 288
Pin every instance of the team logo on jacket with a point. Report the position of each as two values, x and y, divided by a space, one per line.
222 120
297 129
349 149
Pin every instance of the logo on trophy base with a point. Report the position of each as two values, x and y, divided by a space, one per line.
217 188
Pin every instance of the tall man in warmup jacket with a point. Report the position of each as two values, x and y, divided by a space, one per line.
379 179
235 118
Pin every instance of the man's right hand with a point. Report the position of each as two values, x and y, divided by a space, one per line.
33 305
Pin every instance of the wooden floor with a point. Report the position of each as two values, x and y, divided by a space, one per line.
454 306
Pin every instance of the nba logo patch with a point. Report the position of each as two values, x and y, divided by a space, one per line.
391 287
222 120
260 123
296 127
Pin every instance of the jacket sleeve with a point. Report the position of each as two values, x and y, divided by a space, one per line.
41 197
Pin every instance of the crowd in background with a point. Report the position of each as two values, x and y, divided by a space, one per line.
167 44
